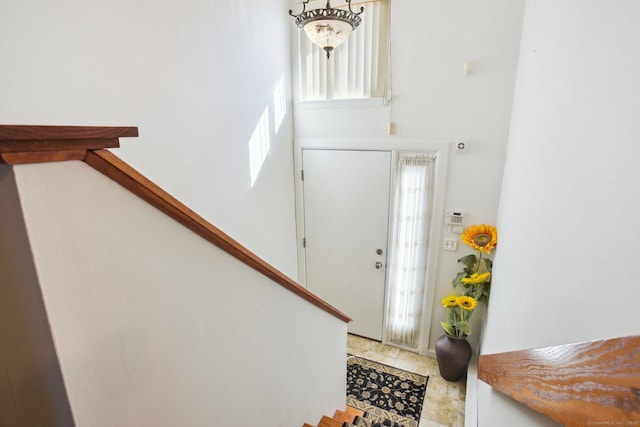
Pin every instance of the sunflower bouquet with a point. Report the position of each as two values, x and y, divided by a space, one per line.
459 311
475 279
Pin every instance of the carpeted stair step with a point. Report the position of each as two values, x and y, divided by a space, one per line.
377 422
369 420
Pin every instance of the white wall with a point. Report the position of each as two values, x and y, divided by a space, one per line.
195 76
433 101
153 325
32 390
568 249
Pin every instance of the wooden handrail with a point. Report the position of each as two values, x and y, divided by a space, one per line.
589 383
111 166
37 144
60 133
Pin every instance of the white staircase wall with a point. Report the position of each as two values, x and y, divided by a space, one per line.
155 326
32 391
567 257
197 77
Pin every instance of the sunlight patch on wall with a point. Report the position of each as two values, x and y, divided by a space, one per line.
280 103
259 146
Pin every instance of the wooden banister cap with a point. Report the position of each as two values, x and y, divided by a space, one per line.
40 133
20 144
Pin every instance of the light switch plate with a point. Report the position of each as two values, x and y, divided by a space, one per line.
450 244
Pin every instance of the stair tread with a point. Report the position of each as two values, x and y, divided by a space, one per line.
329 422
343 416
339 418
354 411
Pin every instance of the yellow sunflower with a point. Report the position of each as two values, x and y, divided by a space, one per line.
450 301
481 237
466 303
475 278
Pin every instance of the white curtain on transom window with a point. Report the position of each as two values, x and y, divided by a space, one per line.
408 249
358 67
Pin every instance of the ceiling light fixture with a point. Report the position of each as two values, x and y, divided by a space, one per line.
327 27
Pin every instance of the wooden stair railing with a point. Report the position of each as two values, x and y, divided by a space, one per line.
22 144
589 383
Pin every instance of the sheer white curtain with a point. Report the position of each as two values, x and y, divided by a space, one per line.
358 67
408 249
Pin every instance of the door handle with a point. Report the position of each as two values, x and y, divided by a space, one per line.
378 265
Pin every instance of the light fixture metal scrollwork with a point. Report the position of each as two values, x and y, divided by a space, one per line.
327 27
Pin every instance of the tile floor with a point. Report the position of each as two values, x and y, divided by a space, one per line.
444 401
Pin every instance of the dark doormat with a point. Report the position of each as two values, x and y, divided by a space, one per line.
386 393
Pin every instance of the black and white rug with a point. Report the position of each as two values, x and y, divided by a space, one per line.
385 392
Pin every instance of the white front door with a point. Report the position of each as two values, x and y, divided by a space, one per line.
346 206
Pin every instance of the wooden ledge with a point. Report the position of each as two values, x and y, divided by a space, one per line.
20 144
589 383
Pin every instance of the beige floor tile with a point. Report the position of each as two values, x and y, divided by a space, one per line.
421 367
429 423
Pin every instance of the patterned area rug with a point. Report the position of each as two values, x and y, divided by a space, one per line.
386 393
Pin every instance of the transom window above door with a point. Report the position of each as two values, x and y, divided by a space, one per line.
358 67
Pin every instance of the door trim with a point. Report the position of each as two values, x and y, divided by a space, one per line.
441 148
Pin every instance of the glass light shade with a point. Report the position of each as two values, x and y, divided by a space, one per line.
328 33
327 27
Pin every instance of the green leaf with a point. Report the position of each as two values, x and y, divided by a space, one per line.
485 265
448 328
465 328
485 292
469 261
456 282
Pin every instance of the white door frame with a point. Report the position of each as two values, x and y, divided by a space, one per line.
441 149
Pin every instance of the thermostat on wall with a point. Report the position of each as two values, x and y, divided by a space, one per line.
455 221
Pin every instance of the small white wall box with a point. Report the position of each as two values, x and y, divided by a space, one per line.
455 221
450 244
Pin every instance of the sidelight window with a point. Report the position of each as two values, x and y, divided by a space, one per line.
408 249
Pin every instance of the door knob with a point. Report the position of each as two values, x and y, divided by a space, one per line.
378 265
